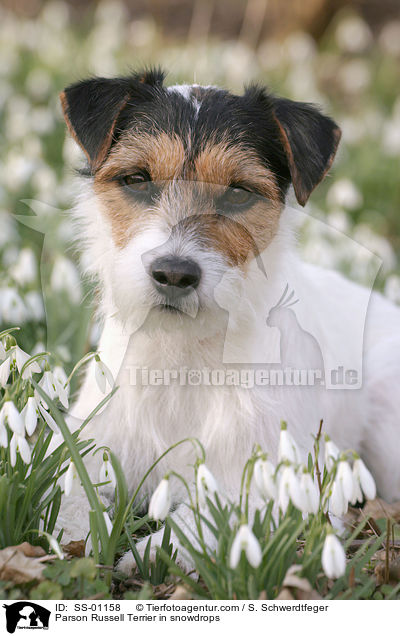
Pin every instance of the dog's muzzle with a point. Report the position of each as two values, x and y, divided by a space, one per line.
174 277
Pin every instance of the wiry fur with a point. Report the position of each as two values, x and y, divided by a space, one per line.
141 422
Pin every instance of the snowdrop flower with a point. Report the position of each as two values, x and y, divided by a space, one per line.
29 413
19 442
338 504
264 477
309 494
3 431
107 472
61 377
12 306
288 449
102 374
245 541
160 502
21 358
34 305
25 269
50 421
71 481
53 388
344 194
357 492
289 489
5 369
331 453
333 557
54 545
108 522
353 34
364 479
13 417
3 352
345 478
206 484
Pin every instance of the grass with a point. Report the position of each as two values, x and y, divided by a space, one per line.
361 197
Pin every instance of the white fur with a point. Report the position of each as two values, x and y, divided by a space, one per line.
141 422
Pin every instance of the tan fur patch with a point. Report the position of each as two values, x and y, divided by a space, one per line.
190 190
242 235
163 158
161 155
225 164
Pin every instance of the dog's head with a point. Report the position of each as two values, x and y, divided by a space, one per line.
190 181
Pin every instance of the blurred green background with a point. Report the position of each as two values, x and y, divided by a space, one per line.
342 55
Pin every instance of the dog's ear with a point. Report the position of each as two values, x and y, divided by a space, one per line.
92 108
310 141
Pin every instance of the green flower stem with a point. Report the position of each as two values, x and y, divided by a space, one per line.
78 365
80 467
193 440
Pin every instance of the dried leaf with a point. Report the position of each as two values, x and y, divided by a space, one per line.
181 594
30 550
295 587
22 563
285 595
394 572
380 509
75 548
292 580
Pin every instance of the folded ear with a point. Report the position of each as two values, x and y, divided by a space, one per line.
310 141
92 108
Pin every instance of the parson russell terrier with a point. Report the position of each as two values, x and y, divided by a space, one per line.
183 222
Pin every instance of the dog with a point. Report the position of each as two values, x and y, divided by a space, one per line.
183 221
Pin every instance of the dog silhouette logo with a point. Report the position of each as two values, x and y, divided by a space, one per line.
26 615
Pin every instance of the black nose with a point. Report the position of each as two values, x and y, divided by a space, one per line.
174 276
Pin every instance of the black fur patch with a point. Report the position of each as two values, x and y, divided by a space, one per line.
293 139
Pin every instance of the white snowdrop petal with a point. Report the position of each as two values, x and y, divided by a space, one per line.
160 502
71 481
50 421
206 484
14 419
253 550
338 503
311 493
100 377
331 454
5 368
55 546
345 477
366 480
107 473
108 522
13 450
30 416
333 557
246 541
236 551
288 449
3 436
264 477
24 449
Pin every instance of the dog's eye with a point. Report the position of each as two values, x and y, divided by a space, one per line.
138 182
237 196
